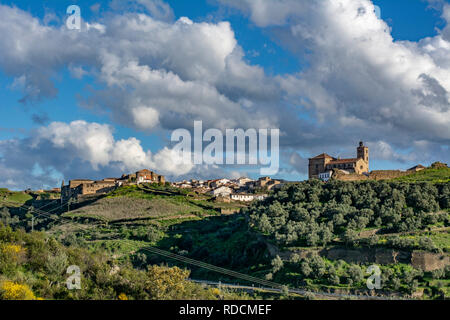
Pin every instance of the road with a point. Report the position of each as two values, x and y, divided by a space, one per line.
295 291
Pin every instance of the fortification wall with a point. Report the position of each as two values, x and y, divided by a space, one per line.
350 177
377 175
388 174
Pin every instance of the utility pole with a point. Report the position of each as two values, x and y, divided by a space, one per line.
30 211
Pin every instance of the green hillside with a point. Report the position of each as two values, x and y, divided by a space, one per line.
19 197
307 235
438 175
33 267
327 235
148 203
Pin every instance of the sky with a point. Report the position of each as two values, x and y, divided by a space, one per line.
104 100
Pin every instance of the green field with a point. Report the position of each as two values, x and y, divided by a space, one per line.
428 175
19 197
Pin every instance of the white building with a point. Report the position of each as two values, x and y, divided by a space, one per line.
242 181
218 183
245 197
326 176
221 192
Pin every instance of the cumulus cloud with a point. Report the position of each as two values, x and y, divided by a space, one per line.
383 151
80 148
359 82
156 73
169 73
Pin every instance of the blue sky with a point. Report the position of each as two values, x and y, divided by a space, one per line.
268 45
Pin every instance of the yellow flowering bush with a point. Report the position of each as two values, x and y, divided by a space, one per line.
10 256
216 292
123 296
13 248
166 283
15 291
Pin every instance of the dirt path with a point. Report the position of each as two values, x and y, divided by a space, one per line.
370 233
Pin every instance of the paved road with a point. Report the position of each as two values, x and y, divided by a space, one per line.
296 291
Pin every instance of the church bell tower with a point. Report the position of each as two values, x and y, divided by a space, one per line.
363 152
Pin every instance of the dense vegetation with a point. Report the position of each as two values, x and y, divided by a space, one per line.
316 271
33 266
301 217
313 213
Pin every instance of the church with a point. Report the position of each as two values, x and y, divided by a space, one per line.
322 166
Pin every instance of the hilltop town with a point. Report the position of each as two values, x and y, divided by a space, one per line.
83 187
326 167
322 167
225 190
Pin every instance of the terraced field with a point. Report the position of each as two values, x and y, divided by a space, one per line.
126 208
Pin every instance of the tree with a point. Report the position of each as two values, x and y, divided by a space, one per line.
350 235
5 216
355 273
277 264
312 239
306 268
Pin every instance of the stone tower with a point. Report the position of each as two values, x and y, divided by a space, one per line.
363 153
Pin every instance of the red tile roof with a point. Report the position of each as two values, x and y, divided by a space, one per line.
322 156
343 161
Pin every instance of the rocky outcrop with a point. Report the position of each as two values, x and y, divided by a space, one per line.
426 261
429 261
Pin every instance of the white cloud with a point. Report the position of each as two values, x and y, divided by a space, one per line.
359 82
81 148
158 9
184 70
90 142
383 151
145 117
158 74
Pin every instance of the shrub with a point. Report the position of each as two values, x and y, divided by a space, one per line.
14 291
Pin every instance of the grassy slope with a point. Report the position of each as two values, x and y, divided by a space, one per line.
131 208
133 203
428 175
19 197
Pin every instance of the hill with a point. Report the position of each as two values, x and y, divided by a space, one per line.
435 175
328 234
19 197
33 267
312 235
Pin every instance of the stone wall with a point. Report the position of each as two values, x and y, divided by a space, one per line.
388 174
426 261
349 177
377 175
429 261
